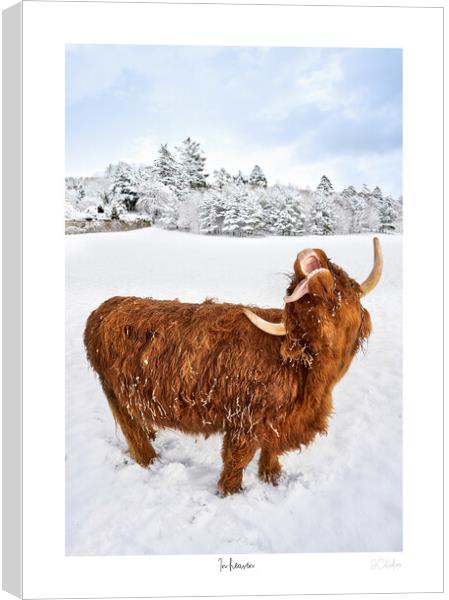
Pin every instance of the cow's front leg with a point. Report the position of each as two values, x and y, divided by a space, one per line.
269 466
237 453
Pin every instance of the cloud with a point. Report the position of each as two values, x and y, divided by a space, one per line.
288 109
141 150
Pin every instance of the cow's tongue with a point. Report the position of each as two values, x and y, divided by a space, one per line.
300 290
303 286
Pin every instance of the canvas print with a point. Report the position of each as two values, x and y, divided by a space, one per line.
233 300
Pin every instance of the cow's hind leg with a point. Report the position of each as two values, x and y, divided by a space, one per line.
137 437
237 453
269 466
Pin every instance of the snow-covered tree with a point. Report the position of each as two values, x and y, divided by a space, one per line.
192 163
325 187
398 207
257 177
154 196
243 214
233 221
372 201
322 217
189 212
343 210
80 193
388 215
283 211
240 178
375 202
365 192
158 200
349 192
377 193
252 214
170 214
105 198
212 210
358 207
109 172
167 169
289 222
221 178
115 209
124 185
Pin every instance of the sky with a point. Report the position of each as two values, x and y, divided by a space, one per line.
299 113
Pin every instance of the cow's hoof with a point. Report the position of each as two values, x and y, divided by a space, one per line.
228 490
270 476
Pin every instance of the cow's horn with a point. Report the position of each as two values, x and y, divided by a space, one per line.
373 278
271 328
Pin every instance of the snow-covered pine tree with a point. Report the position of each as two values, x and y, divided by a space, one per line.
110 171
169 214
349 192
270 208
257 177
70 183
371 200
343 210
167 168
365 192
240 178
322 216
398 207
283 211
358 206
192 162
377 193
232 222
295 203
287 222
153 195
105 198
209 212
374 204
189 211
234 199
115 209
80 193
221 178
325 187
388 215
124 185
251 213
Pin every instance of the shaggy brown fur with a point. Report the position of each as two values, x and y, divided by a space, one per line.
205 368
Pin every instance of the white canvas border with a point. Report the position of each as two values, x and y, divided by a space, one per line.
48 26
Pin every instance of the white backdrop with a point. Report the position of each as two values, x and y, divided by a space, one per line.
47 28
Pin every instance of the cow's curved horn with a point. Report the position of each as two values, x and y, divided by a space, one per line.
271 328
373 278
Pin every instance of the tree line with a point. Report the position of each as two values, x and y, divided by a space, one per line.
176 192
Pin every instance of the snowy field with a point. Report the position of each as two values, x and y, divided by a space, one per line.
341 494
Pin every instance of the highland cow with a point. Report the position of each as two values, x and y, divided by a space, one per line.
261 377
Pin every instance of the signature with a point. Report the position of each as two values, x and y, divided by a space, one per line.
233 565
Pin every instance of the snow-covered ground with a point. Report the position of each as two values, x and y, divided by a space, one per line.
343 493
